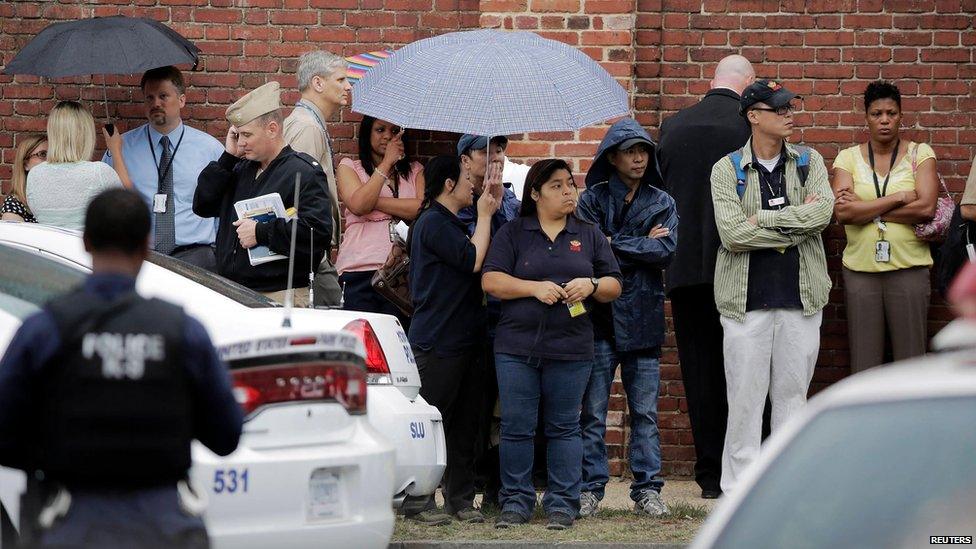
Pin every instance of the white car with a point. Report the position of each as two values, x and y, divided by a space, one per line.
396 409
309 466
885 458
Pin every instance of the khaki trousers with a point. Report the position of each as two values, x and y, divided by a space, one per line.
301 296
897 301
771 352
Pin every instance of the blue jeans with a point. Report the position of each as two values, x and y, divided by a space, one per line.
522 381
641 376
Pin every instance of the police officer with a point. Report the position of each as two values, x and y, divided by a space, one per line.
100 395
257 161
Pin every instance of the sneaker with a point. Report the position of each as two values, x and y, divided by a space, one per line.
710 493
431 517
559 521
470 515
651 504
508 519
589 504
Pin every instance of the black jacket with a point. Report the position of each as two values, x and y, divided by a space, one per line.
231 179
692 141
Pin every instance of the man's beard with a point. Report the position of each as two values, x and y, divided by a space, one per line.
158 118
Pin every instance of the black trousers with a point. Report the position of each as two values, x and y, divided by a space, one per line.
358 295
698 332
453 384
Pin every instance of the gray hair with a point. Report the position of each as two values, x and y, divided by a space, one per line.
317 63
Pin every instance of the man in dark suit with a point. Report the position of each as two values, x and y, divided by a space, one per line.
692 140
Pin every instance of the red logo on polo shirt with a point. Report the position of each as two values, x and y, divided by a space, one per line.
575 246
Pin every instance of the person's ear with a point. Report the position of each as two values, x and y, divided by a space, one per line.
449 184
535 195
182 100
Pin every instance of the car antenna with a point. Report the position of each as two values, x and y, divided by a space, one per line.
311 268
289 293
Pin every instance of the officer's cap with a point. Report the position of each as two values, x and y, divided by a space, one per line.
259 101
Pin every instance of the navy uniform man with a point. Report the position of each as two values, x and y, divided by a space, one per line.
101 394
257 162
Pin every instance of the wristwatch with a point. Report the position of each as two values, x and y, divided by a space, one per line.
595 282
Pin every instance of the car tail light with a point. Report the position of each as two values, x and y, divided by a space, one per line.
343 383
377 368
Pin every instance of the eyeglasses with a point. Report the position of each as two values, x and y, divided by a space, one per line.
782 111
39 154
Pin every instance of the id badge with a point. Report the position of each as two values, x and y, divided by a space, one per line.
882 251
576 309
159 203
971 252
778 201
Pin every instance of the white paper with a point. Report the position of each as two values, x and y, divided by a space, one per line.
261 208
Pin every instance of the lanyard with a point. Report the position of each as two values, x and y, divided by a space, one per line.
878 189
165 171
318 119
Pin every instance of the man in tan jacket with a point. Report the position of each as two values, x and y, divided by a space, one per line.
325 89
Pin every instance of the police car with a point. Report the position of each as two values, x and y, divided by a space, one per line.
396 409
884 458
309 466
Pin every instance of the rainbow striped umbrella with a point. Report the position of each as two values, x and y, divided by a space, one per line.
361 63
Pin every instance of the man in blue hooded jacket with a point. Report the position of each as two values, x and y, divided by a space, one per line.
640 222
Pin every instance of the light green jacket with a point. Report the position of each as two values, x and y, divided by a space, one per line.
796 225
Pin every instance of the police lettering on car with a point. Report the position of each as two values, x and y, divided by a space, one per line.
101 394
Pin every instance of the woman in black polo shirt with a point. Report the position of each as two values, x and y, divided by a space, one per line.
449 325
546 266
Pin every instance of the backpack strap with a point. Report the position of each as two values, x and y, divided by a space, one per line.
740 174
802 163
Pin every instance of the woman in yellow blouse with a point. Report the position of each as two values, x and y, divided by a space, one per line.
884 187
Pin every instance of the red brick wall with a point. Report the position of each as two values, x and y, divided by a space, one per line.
663 52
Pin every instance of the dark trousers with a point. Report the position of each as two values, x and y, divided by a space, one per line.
358 295
698 332
453 385
201 255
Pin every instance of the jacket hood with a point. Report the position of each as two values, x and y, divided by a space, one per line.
621 131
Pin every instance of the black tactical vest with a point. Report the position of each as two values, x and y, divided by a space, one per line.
116 406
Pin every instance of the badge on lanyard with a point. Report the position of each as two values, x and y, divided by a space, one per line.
882 248
778 201
576 309
159 203
971 251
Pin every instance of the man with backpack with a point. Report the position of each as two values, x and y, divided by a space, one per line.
772 199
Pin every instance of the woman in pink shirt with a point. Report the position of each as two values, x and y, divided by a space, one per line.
380 188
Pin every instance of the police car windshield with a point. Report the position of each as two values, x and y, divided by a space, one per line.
229 289
832 486
30 280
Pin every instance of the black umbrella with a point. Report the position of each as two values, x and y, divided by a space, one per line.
103 45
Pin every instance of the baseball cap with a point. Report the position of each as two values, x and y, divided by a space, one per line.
769 92
478 142
624 145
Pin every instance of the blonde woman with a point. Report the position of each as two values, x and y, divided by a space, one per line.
31 151
58 191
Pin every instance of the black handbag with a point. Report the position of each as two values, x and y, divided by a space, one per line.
952 254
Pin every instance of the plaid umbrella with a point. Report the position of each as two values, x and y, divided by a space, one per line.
490 82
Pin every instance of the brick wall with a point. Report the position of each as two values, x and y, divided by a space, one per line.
663 52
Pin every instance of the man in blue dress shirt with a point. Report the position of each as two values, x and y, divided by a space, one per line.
164 158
